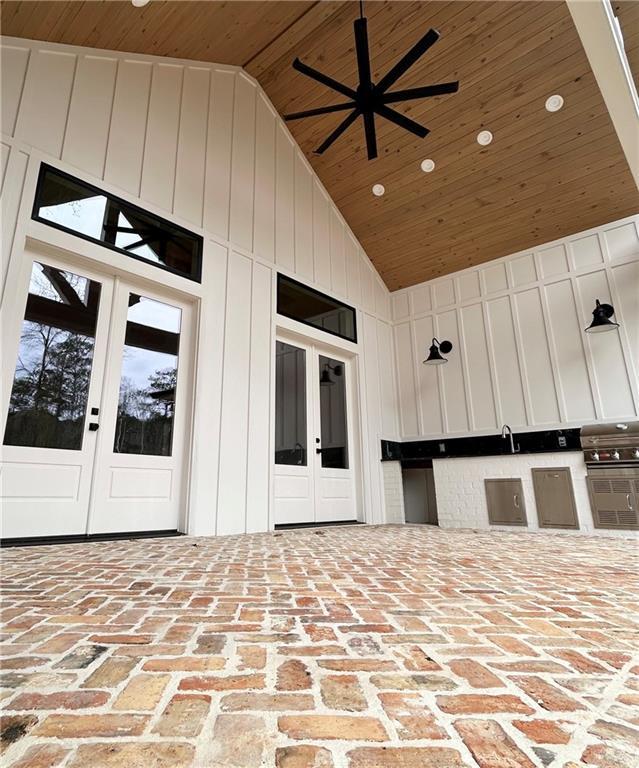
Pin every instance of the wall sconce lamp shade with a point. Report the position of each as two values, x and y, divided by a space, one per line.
434 353
601 321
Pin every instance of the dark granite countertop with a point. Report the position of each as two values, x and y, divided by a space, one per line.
418 452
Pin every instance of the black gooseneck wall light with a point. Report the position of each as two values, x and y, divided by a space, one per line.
434 353
601 321
325 377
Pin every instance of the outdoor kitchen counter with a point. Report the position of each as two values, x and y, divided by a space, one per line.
412 453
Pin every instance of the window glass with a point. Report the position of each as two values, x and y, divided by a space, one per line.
51 382
290 405
146 405
308 306
333 425
74 206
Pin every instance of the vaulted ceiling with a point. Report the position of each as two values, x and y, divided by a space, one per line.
544 176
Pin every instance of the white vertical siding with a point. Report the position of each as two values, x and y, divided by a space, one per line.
372 421
284 200
205 456
386 368
264 222
338 262
201 144
13 70
45 101
321 237
85 141
197 140
127 132
569 352
537 367
235 394
352 269
14 172
405 379
188 195
508 381
520 352
163 125
243 164
259 425
477 365
217 185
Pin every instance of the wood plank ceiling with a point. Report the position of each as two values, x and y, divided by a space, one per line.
544 176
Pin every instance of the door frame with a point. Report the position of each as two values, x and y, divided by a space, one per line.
291 332
42 243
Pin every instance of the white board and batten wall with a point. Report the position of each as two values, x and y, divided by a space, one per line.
201 145
520 355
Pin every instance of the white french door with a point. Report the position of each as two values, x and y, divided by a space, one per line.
141 453
314 475
97 427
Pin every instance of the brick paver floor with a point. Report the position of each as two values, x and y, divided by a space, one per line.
358 647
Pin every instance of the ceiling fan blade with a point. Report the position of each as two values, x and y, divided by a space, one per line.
324 79
349 120
408 59
371 138
361 45
402 121
321 111
420 93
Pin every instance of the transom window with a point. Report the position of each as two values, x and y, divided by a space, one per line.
306 305
67 203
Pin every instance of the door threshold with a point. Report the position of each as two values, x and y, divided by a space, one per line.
335 523
78 538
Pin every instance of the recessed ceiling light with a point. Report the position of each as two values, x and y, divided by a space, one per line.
554 103
378 190
428 165
139 3
484 138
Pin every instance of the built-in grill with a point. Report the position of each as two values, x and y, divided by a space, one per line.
611 453
616 444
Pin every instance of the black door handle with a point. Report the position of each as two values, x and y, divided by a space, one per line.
318 450
93 426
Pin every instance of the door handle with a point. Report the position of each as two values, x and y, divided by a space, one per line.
516 500
628 502
93 426
319 450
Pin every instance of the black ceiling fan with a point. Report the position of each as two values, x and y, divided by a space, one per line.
373 98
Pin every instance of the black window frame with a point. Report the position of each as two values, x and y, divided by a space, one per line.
126 205
281 277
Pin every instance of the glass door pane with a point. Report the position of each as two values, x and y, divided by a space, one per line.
333 422
51 382
146 404
290 405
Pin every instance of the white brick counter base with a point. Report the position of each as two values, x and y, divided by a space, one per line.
461 496
393 492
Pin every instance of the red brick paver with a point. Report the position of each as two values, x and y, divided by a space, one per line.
362 647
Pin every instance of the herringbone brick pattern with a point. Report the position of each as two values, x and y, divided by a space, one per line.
363 647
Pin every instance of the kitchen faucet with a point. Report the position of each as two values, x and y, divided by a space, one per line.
507 430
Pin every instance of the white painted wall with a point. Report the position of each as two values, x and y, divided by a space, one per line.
201 145
520 353
461 495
